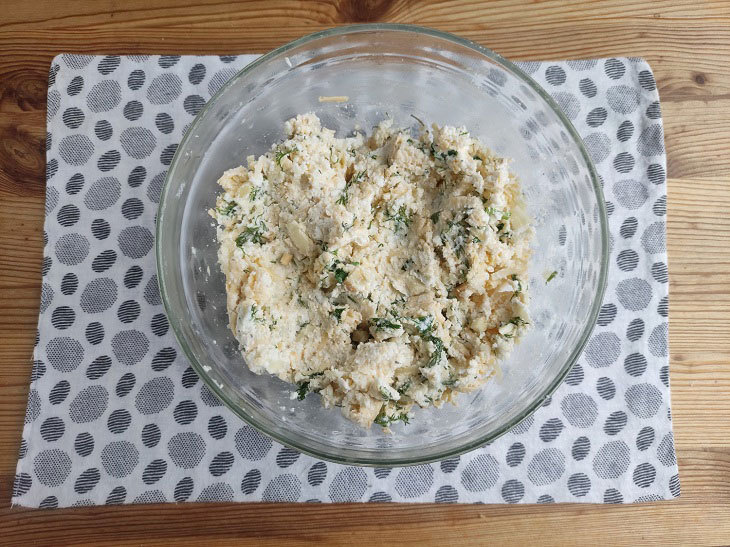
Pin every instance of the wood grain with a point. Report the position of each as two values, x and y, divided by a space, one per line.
687 44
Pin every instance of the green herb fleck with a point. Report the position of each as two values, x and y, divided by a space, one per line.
381 323
337 312
253 233
229 209
404 387
551 277
281 154
401 219
436 355
345 196
442 155
514 277
418 120
477 158
435 217
494 212
253 311
516 321
458 232
340 275
425 325
303 388
382 419
451 381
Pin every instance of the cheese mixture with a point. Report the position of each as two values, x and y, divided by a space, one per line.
381 272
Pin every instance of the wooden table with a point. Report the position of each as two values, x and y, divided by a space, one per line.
688 46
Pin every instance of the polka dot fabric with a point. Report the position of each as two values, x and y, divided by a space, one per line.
116 415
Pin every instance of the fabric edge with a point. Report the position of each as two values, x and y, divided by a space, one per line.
28 428
663 163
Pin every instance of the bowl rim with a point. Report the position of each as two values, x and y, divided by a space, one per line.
446 452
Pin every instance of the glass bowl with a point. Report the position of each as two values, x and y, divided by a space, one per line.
392 71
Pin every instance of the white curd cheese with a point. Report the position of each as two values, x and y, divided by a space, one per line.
381 272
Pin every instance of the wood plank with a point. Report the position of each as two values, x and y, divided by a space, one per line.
687 44
703 113
170 12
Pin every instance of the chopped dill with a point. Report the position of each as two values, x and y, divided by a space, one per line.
418 120
345 196
340 275
303 388
453 379
229 209
253 233
381 323
514 277
401 219
382 419
494 212
281 154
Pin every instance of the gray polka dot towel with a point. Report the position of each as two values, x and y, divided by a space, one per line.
116 415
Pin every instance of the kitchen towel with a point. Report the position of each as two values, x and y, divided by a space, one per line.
116 415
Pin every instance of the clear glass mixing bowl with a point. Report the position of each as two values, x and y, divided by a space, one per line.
388 71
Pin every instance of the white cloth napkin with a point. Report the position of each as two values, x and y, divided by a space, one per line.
116 414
